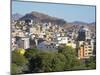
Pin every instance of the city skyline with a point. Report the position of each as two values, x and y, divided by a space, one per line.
41 43
69 13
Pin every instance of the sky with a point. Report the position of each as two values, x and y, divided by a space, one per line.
68 12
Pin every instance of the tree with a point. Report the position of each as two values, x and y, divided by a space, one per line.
79 65
91 63
40 62
19 63
31 53
18 59
20 51
72 63
14 69
58 62
47 62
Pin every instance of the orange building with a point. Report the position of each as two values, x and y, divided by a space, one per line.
85 51
81 52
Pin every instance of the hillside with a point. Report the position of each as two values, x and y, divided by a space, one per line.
40 17
44 18
16 16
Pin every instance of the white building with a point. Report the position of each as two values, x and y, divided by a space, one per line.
47 46
26 43
62 40
14 46
41 34
23 42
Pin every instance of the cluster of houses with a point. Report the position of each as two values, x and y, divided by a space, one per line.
28 34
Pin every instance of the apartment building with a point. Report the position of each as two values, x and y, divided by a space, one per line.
85 43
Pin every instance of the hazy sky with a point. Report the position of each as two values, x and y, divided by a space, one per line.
67 12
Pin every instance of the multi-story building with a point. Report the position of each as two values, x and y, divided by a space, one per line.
47 46
84 34
84 43
24 43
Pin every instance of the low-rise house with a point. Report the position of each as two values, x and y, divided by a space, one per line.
13 44
49 46
23 42
62 40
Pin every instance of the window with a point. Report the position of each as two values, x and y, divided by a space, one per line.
89 53
90 50
85 53
69 41
49 46
89 43
89 46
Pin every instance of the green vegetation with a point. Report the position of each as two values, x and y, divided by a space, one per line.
19 63
47 62
91 63
36 61
72 63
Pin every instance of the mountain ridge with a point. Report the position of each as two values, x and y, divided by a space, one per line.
46 18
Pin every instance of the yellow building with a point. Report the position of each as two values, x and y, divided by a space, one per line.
70 44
